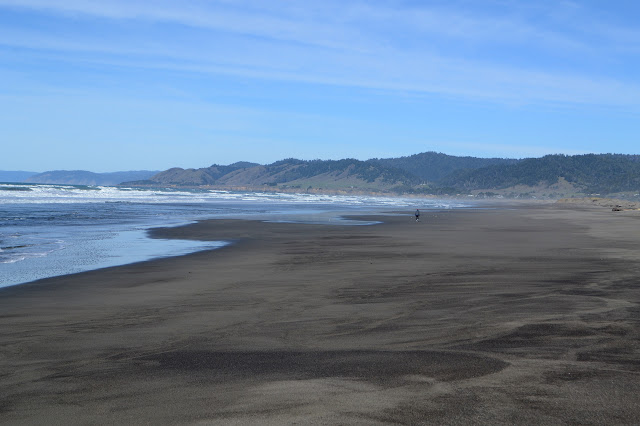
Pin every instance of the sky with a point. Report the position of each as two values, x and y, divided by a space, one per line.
112 85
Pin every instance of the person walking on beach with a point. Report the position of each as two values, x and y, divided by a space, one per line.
417 213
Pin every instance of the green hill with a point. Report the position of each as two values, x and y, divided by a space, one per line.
426 173
347 174
434 166
196 177
590 173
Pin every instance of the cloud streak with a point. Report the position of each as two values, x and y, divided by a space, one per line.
374 45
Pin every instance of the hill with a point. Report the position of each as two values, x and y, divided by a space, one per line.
589 173
433 166
347 174
82 177
17 176
552 176
195 177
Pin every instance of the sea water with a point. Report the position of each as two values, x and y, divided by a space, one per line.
51 230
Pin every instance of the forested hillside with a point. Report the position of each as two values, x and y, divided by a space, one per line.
425 173
194 177
433 166
291 173
590 173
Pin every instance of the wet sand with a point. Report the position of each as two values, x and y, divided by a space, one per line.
523 315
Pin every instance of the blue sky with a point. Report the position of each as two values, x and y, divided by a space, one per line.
108 85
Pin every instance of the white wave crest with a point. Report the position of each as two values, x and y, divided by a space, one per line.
42 193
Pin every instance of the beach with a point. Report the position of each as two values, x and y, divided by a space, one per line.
520 314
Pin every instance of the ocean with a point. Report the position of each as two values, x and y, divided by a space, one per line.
52 230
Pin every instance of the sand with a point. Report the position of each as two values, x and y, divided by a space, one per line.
517 315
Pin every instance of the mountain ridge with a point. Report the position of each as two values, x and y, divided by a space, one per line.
83 177
428 173
551 176
15 176
586 173
289 173
433 166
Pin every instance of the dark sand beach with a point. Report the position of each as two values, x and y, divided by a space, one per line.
520 315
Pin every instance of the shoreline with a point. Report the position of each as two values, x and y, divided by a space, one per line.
342 219
513 315
41 248
123 247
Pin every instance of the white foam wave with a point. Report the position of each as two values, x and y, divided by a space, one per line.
39 193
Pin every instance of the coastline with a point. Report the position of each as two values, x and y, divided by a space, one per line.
510 315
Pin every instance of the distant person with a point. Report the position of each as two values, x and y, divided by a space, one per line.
417 213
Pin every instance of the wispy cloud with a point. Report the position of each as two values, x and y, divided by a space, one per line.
372 45
339 23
